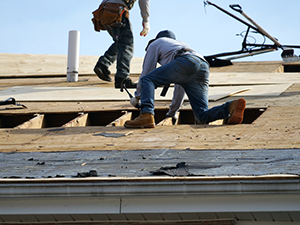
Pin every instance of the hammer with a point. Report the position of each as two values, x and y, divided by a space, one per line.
123 86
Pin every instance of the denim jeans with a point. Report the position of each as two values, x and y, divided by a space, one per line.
121 50
192 73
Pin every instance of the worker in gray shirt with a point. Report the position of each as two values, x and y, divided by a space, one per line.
123 46
190 73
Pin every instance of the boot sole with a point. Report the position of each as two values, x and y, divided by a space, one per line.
238 114
149 125
101 75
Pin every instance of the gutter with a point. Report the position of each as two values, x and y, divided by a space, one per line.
150 195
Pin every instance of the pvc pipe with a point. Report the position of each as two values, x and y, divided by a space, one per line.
73 56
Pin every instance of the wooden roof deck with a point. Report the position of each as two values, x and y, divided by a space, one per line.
276 128
69 149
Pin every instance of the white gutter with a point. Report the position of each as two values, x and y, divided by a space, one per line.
150 195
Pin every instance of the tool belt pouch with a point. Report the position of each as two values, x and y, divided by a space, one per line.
109 14
97 18
112 13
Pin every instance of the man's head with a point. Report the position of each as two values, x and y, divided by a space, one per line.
161 34
166 33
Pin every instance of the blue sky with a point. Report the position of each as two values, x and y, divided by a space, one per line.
42 26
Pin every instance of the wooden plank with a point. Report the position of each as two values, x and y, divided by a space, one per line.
79 121
34 123
253 67
41 64
229 93
166 122
262 134
169 121
121 120
246 78
22 65
217 122
56 94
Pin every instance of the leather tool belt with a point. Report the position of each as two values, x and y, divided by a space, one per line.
109 14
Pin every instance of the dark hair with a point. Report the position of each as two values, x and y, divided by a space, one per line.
161 34
166 33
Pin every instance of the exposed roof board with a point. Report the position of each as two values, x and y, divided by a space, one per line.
264 152
31 93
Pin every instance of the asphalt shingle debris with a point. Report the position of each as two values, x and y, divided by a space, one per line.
181 169
91 173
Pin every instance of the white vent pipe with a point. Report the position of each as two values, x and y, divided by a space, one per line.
73 56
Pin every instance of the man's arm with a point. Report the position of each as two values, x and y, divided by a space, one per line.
149 64
145 13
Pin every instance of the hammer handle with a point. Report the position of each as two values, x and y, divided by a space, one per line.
165 90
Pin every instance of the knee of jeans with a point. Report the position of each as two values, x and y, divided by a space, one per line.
145 79
202 118
201 121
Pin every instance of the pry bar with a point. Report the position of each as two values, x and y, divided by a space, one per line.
12 101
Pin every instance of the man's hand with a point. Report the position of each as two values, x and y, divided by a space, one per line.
135 102
146 28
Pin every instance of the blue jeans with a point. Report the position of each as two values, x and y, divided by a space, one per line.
121 50
192 73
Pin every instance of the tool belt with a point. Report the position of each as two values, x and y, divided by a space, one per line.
109 14
129 3
182 52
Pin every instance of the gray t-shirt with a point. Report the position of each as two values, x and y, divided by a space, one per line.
162 51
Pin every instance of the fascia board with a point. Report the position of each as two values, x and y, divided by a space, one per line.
149 196
146 187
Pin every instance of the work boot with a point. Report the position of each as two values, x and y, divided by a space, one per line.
144 120
102 72
236 111
127 81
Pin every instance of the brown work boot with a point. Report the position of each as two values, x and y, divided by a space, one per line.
144 120
236 111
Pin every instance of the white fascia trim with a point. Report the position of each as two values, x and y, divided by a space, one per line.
151 204
146 187
102 196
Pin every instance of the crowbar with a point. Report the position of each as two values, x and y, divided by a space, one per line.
12 101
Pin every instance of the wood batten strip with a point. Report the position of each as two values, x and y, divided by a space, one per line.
35 123
121 120
165 122
80 121
169 121
217 122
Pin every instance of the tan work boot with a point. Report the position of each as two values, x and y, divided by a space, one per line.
236 111
144 120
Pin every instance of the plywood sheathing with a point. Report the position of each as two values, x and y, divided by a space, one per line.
252 67
55 94
22 65
276 128
273 129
